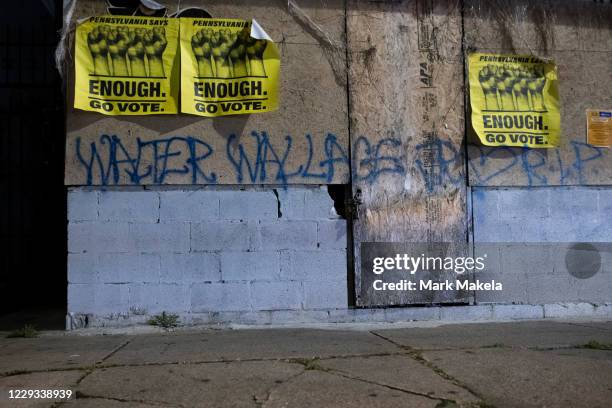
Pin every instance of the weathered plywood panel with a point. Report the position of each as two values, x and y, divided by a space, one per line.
305 141
407 128
578 36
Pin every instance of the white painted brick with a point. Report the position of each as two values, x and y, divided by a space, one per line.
98 237
341 315
328 266
605 201
189 268
160 237
332 234
276 295
189 205
279 235
97 298
603 311
368 315
249 266
218 297
523 203
512 312
142 298
81 298
173 298
292 203
111 298
466 313
319 204
248 205
220 235
123 268
567 310
325 295
154 298
306 204
132 206
82 268
82 205
258 318
298 316
407 314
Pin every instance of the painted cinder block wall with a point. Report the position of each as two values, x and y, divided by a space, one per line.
559 216
275 256
195 252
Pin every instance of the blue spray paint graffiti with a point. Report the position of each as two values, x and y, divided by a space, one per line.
440 163
107 160
258 159
257 167
110 163
370 162
536 166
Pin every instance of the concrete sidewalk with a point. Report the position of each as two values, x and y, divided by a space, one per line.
544 364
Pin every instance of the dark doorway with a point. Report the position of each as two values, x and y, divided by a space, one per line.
32 194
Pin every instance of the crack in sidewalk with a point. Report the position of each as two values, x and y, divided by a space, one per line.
261 404
312 364
81 395
115 350
101 363
418 357
391 387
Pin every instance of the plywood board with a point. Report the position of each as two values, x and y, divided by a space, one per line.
305 141
578 36
407 128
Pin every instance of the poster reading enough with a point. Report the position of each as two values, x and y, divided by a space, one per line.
228 67
127 65
514 100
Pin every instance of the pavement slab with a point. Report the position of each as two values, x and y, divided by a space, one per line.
523 334
526 364
315 388
529 378
55 352
595 325
401 372
221 345
55 380
583 353
103 403
236 384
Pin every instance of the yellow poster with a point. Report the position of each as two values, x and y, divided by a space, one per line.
127 65
515 100
228 67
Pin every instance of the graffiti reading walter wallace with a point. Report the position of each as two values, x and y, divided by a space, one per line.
127 65
515 101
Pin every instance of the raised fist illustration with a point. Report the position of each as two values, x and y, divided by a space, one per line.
536 84
255 51
202 50
154 45
504 80
98 47
488 82
118 42
238 53
136 52
521 90
222 42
